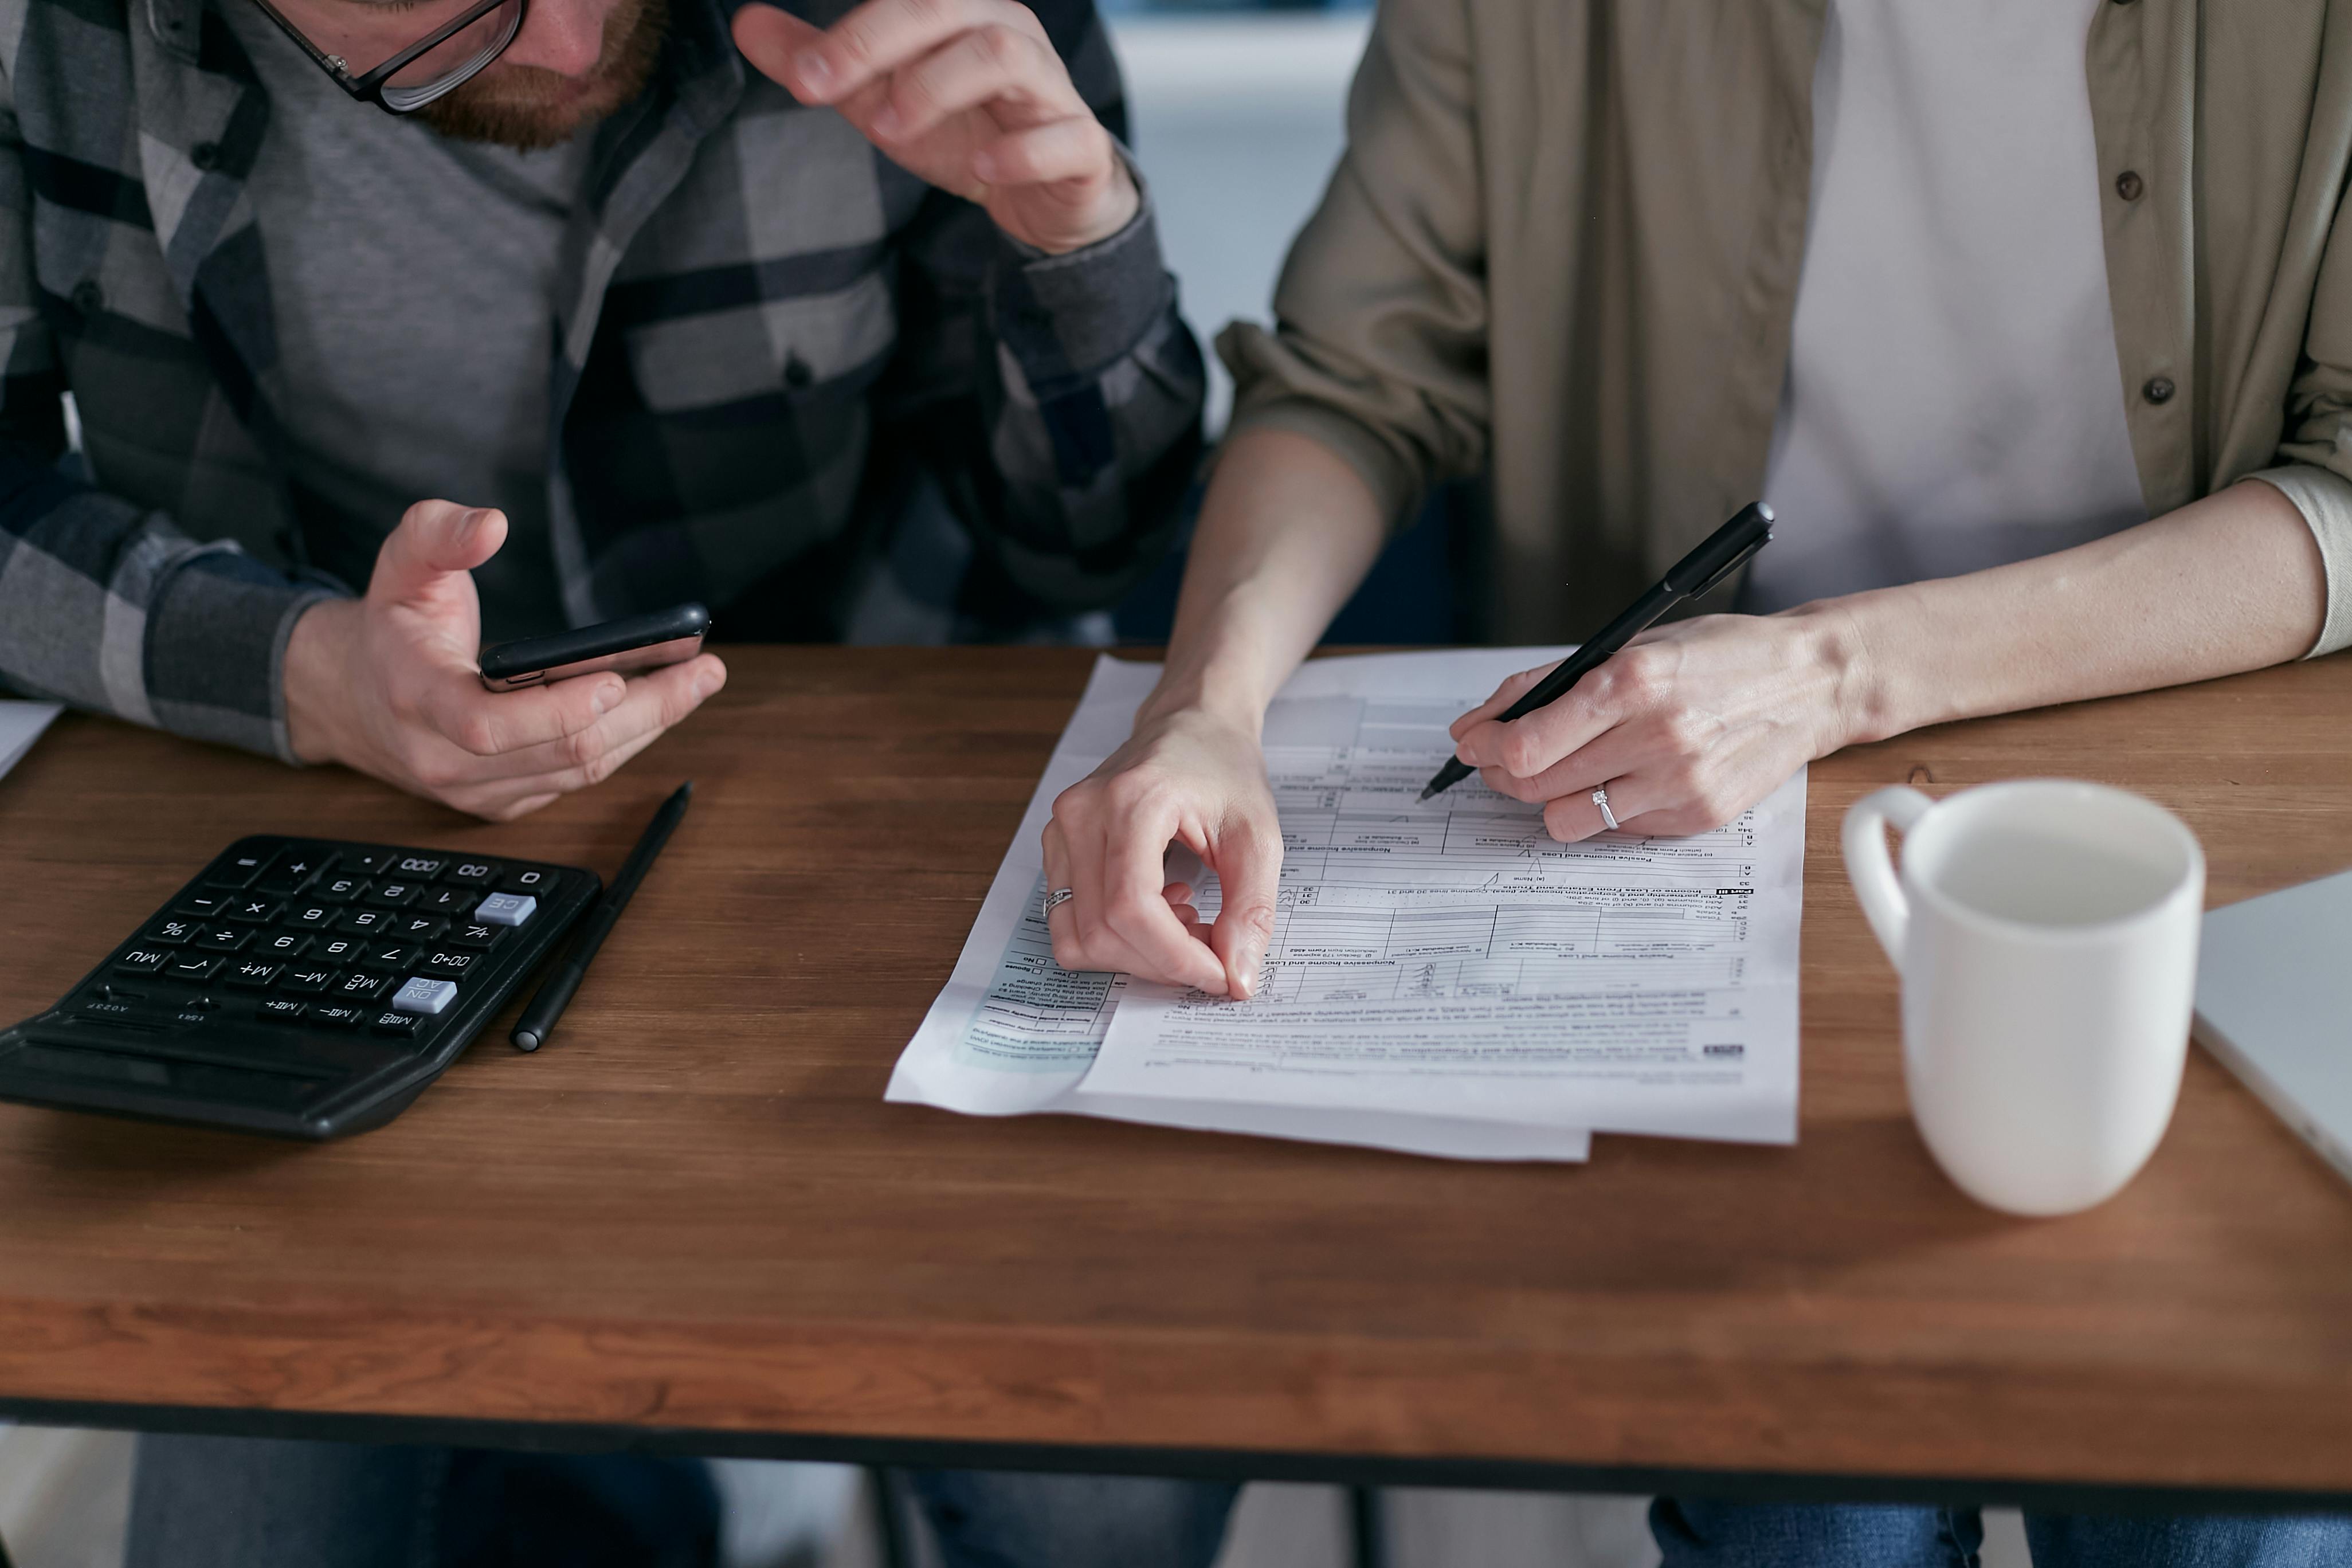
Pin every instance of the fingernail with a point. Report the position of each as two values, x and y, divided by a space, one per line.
885 122
706 686
609 695
812 68
984 168
1246 976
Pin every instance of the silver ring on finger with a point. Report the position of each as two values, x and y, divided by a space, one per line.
1601 799
1058 897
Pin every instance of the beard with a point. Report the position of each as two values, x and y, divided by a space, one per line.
529 108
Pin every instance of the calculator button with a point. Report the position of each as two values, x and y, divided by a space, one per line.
207 905
392 895
173 932
447 965
223 939
238 872
527 879
292 872
252 975
419 928
311 978
251 910
418 868
341 889
475 936
336 1014
430 997
391 957
195 968
505 910
371 862
362 987
142 960
472 873
339 950
450 901
310 917
402 1024
281 1010
365 922
284 945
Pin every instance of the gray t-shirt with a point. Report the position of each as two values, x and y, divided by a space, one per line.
414 279
1954 400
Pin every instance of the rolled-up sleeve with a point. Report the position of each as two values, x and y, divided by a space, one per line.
1379 349
2325 498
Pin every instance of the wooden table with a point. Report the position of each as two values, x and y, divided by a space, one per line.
693 1223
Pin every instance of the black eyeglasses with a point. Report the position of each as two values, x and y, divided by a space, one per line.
404 81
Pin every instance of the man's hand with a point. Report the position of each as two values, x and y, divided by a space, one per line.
968 94
1688 727
388 685
1187 777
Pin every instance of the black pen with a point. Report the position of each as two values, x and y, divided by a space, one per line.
538 1018
1727 550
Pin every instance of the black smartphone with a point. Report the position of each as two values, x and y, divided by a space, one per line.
631 643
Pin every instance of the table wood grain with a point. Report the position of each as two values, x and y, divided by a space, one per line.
693 1211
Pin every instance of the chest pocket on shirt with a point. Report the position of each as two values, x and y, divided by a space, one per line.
838 340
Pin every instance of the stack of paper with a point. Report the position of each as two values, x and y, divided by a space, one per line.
1444 978
21 724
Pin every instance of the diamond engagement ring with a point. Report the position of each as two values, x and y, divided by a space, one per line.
1058 897
1601 799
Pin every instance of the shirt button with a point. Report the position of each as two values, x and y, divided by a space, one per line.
88 297
205 155
797 373
2158 389
2128 185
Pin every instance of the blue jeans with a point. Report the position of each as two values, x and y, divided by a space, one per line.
231 1502
1694 1534
235 1502
242 1502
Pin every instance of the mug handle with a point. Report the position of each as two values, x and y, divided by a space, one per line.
1871 868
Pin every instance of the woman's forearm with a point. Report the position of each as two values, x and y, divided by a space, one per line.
2231 583
1287 531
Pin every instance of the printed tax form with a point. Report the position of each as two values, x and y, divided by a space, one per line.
1444 977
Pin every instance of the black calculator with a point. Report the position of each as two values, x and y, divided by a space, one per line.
299 986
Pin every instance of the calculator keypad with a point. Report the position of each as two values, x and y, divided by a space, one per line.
309 959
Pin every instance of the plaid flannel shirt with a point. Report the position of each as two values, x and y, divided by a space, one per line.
770 340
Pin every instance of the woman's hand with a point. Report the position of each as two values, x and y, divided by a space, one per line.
1689 726
1184 777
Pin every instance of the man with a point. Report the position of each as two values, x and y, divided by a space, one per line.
2030 317
607 319
602 319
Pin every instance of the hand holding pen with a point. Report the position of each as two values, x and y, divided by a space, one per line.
1682 730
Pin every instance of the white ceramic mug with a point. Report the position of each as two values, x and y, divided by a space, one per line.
2045 931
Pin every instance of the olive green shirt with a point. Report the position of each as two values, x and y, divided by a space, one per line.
1562 250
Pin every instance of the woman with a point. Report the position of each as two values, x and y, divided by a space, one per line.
2029 317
